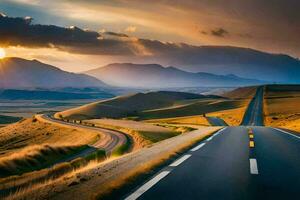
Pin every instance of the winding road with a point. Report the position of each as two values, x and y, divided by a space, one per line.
108 141
246 162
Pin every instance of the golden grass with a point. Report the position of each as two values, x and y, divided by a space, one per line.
33 132
110 175
241 93
34 157
192 120
128 105
142 133
232 117
197 108
143 168
282 107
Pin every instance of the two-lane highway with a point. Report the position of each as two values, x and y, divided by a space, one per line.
246 162
254 112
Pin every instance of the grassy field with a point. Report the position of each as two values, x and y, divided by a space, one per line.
134 105
143 133
188 120
233 117
282 106
241 93
31 145
196 108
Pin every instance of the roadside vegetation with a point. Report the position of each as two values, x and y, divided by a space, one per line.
282 106
142 133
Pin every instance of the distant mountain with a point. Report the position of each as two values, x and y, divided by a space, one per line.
244 62
154 75
11 94
21 73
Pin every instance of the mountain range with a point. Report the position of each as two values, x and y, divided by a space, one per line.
157 76
20 73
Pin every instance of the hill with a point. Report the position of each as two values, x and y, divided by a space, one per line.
154 75
21 73
241 93
282 106
129 105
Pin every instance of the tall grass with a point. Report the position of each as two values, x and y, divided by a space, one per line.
35 157
14 186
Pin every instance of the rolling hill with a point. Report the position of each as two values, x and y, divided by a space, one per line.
129 105
154 75
20 73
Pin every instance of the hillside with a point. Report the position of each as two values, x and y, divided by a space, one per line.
282 107
154 75
241 93
129 105
21 73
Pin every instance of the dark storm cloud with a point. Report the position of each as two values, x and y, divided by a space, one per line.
22 32
219 32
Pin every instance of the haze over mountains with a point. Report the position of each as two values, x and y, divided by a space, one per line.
21 73
154 75
242 62
205 66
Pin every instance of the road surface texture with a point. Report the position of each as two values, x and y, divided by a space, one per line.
253 162
254 112
108 141
215 121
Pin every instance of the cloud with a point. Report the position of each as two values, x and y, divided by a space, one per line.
219 32
131 29
115 34
22 32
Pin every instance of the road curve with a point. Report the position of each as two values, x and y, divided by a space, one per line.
109 140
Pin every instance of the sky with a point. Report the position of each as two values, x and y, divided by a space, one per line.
91 33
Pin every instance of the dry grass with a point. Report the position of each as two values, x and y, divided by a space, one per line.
127 106
33 132
197 108
241 93
34 157
232 117
282 107
190 120
143 133
100 179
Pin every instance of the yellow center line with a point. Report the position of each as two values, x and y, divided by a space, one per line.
251 144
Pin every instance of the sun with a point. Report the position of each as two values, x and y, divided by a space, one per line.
2 53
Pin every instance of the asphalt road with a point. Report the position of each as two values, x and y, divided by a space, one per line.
254 112
253 162
108 141
215 121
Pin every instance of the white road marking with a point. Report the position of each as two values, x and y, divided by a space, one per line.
147 185
287 133
180 160
220 131
198 147
253 166
209 139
